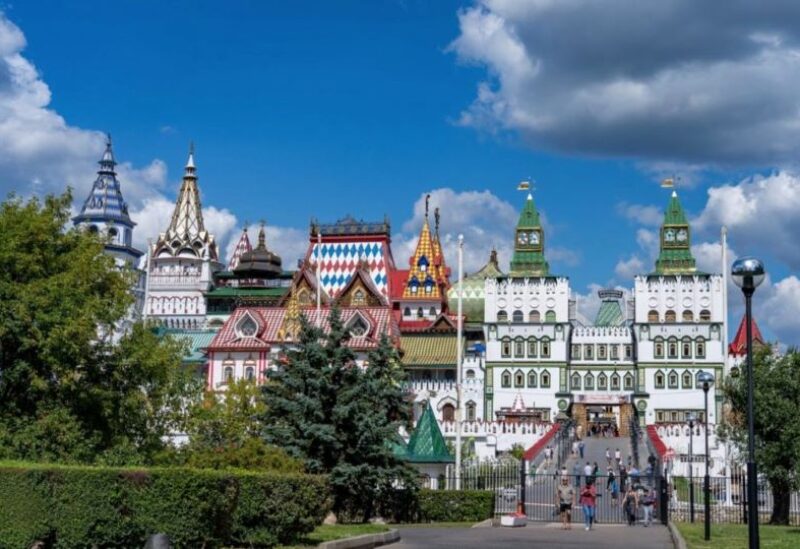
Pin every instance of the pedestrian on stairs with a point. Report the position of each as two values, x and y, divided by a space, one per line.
588 502
630 504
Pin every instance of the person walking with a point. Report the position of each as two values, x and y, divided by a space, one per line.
648 502
581 446
623 477
629 505
614 487
587 471
595 470
608 457
574 448
610 473
588 502
566 499
576 473
618 457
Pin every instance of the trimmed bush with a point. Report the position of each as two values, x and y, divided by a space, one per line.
66 506
455 506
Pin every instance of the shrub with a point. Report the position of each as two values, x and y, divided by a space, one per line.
455 506
97 506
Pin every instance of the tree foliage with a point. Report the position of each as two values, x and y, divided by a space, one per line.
340 419
67 393
777 442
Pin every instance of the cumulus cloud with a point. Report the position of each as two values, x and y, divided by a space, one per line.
711 82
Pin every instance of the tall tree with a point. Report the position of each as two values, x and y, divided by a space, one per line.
777 442
66 392
340 419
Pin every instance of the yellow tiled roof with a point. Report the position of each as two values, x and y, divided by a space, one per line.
423 267
429 350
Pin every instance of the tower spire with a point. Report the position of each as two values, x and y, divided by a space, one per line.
528 258
675 254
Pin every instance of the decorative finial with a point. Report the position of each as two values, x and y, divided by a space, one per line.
191 147
108 139
427 203
436 219
262 237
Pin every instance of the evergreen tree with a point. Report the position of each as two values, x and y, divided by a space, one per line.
777 394
339 419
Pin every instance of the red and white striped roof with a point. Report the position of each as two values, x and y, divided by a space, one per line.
243 246
270 320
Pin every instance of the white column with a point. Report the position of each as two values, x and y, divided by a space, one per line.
459 337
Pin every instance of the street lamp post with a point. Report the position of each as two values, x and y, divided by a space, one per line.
748 273
707 379
691 419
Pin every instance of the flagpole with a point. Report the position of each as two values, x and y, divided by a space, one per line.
459 337
319 282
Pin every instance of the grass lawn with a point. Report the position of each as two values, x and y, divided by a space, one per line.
330 532
734 536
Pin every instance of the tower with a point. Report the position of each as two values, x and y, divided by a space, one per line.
105 212
182 261
675 256
528 258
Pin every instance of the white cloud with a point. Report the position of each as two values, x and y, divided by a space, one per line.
626 269
633 79
651 216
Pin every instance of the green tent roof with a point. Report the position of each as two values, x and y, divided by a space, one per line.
609 314
427 444
675 256
529 217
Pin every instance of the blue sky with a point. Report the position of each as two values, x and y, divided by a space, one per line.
319 109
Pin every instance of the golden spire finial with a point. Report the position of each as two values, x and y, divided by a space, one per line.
436 219
427 204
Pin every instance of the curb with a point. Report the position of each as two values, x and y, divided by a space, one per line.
366 541
677 539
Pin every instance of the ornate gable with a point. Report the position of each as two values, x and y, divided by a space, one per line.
360 291
304 290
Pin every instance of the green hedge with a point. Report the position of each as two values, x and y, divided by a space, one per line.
66 506
455 506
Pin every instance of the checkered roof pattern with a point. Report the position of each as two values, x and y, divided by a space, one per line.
339 260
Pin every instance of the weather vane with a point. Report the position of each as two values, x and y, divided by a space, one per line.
427 201
670 182
525 184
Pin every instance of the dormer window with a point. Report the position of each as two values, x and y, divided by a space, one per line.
358 327
413 285
422 263
359 298
428 285
247 326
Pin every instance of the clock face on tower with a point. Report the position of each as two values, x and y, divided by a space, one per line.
669 235
522 238
682 235
535 237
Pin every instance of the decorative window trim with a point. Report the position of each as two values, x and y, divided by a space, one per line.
544 380
700 348
652 316
518 316
588 352
659 380
615 382
686 375
550 316
502 316
602 382
505 347
576 351
533 347
545 347
519 379
247 320
358 318
673 379
588 382
532 380
575 382
627 382
505 379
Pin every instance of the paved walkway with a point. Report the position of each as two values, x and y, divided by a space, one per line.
537 535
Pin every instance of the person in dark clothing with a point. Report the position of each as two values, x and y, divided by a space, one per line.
629 505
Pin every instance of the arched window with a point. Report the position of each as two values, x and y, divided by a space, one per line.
517 316
652 316
705 315
448 412
247 327
532 347
545 379
470 374
588 382
615 381
359 298
227 372
700 348
575 381
249 373
112 232
519 379
601 352
422 263
428 284
534 316
519 348
502 316
545 347
505 347
686 380
686 348
407 311
659 348
532 379
93 229
672 379
669 316
588 352
602 382
628 380
672 348
688 315
505 379
471 409
550 316
432 311
413 284
420 313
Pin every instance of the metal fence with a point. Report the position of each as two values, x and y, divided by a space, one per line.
728 500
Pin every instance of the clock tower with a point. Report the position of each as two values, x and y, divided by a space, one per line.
528 259
675 255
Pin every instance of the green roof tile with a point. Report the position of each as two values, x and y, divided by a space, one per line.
609 314
427 444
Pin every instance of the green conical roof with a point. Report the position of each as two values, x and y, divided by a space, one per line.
529 217
474 293
609 314
675 255
427 444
